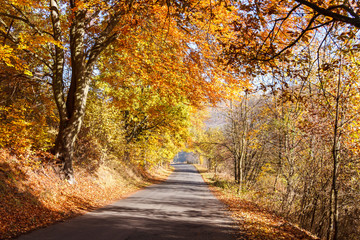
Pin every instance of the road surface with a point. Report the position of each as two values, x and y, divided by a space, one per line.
180 208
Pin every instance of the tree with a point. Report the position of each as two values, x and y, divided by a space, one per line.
276 35
273 28
66 53
88 28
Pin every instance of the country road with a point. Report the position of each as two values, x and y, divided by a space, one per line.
180 208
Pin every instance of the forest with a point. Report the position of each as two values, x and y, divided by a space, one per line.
100 95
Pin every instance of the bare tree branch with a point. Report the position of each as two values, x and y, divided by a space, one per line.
293 42
355 21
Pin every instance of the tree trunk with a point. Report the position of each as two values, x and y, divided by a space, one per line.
235 169
243 141
84 53
64 150
334 211
69 129
333 224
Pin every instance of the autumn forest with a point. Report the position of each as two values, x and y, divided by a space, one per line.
98 97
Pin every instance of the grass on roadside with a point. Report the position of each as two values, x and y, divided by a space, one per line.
255 222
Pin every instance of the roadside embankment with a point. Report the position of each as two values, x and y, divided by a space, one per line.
255 222
33 196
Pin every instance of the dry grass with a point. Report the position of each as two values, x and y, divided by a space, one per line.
255 222
32 195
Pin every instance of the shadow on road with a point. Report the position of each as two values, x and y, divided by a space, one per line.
180 208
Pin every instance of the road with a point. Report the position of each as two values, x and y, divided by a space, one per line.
180 208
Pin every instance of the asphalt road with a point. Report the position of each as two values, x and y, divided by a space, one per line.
180 208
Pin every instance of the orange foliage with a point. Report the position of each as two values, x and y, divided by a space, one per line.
26 113
179 63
